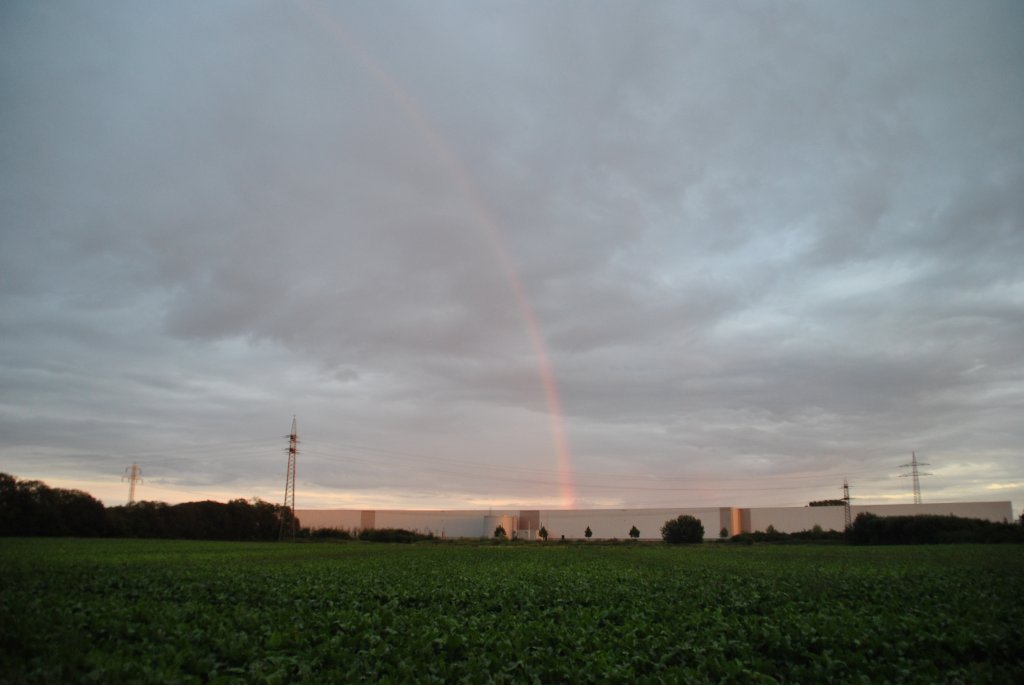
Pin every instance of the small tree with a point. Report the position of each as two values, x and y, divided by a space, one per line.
588 533
634 532
499 532
543 533
724 533
683 529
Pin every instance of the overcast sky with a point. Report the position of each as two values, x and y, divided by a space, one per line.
591 254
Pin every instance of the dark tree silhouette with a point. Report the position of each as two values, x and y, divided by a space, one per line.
30 507
683 529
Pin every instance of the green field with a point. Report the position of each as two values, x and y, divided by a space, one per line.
110 611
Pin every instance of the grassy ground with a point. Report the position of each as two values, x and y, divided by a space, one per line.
112 611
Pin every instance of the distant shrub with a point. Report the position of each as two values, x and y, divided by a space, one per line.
683 529
724 533
588 533
499 532
329 534
871 529
543 533
392 535
634 532
816 534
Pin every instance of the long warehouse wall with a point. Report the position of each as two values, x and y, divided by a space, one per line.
615 523
795 519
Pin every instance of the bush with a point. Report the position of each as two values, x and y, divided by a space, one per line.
391 535
499 532
543 533
588 533
634 532
818 534
684 529
815 535
329 534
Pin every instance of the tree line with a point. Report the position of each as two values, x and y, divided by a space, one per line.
927 529
32 508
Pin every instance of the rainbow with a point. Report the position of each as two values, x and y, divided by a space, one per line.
437 144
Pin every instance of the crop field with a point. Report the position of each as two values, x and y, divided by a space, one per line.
113 611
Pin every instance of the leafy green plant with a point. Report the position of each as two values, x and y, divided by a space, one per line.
634 532
588 533
101 610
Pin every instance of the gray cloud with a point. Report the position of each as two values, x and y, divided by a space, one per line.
760 241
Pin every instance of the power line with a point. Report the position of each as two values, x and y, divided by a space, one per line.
583 484
391 460
150 486
490 468
214 446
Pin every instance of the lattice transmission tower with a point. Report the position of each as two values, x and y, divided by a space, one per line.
915 475
133 475
288 510
847 520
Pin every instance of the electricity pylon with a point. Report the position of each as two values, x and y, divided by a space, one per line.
915 475
133 475
288 510
846 504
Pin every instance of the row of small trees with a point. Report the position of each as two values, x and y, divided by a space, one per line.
683 529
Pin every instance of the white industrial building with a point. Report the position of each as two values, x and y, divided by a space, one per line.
616 523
